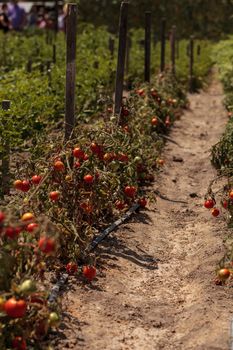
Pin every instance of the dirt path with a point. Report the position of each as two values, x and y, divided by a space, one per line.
156 288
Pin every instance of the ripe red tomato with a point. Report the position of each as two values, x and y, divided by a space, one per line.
19 343
124 111
119 204
71 268
78 153
215 212
142 202
95 148
36 179
2 217
11 232
25 187
161 162
89 179
154 93
225 204
15 308
223 274
87 207
77 165
167 121
209 203
89 272
59 166
126 128
140 92
32 227
18 184
154 121
122 157
47 245
54 196
130 191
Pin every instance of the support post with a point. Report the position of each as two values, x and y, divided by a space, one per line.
71 31
121 56
147 45
163 44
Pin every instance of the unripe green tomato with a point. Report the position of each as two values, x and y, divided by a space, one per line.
28 286
113 119
137 159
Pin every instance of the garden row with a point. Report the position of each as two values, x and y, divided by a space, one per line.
219 198
64 193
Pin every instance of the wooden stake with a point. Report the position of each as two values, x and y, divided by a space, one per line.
147 45
121 56
71 31
111 46
163 44
54 53
173 49
191 64
177 48
56 17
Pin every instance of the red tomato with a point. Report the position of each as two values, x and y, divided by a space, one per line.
119 204
142 202
89 272
122 157
209 203
89 179
88 208
154 121
18 184
78 153
125 111
2 217
25 187
167 121
11 232
36 179
71 268
54 196
47 245
32 227
215 212
59 165
19 343
15 308
95 148
77 165
225 204
140 92
130 191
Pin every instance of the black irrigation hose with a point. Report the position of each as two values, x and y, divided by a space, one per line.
53 296
112 227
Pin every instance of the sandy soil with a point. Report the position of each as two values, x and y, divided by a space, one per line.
155 289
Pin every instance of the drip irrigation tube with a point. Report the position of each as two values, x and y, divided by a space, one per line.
96 241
